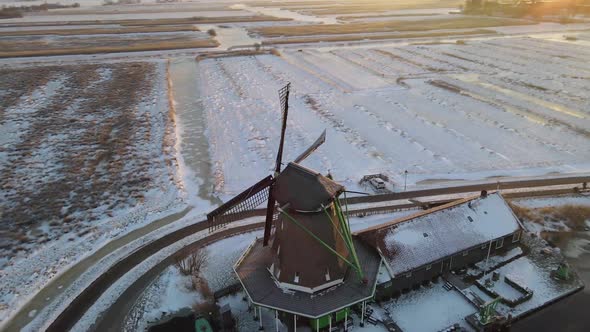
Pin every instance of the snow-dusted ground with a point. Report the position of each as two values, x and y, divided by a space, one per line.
120 285
540 202
474 111
534 274
169 292
430 308
103 200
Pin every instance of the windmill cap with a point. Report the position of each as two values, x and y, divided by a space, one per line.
304 189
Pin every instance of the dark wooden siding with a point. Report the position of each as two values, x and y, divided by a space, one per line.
403 282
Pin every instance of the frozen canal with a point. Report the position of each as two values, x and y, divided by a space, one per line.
195 167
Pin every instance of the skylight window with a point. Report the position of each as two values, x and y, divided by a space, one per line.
470 219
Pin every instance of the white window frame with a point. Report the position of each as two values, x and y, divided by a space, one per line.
516 237
465 253
328 274
428 267
499 243
484 246
296 278
409 275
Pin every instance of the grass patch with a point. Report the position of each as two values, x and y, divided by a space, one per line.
575 216
132 47
204 20
97 31
358 17
375 6
387 26
150 22
360 37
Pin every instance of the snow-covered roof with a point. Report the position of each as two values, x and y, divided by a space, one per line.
429 236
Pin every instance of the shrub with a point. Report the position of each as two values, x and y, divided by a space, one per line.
275 52
192 264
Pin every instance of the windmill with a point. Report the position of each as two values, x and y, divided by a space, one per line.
242 204
313 246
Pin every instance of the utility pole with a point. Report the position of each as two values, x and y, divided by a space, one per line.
405 179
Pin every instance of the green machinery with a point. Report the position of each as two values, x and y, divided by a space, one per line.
488 311
563 272
202 325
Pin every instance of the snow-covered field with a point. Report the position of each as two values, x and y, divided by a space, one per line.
86 155
439 111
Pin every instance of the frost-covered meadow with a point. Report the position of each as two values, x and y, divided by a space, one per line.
85 153
469 110
79 143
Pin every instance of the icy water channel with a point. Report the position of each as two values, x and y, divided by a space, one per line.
190 118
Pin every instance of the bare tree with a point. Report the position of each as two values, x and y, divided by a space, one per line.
192 264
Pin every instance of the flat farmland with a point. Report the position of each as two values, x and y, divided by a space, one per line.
46 45
489 107
387 26
80 144
354 7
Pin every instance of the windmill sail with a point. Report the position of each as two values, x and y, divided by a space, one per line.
270 208
241 205
312 148
284 101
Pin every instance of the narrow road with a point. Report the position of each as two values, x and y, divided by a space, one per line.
114 318
56 286
476 186
66 319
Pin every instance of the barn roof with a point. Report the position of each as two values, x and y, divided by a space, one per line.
429 236
304 189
